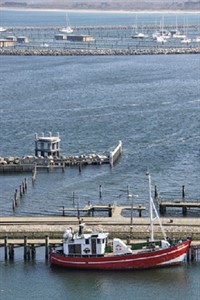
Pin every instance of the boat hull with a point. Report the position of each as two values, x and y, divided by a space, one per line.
143 260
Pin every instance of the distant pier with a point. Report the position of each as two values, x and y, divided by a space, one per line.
181 203
33 163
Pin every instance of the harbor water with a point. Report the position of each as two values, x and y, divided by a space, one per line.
150 103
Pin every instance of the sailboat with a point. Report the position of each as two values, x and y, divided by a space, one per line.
92 251
138 35
68 28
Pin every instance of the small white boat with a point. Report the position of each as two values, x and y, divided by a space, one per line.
161 39
196 40
45 45
139 35
186 40
68 28
179 36
2 29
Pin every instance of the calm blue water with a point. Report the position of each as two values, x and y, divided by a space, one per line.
151 103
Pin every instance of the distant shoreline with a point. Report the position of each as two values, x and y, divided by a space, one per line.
102 11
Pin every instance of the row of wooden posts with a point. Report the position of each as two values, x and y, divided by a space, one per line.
35 169
29 249
19 193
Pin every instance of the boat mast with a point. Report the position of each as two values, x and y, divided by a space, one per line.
150 210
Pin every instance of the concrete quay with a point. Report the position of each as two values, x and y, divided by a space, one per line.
117 226
101 52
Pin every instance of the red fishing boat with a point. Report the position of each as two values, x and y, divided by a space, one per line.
91 250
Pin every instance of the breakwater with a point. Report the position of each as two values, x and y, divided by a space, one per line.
31 163
101 52
28 163
104 27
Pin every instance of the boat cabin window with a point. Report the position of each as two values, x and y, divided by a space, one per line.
100 241
87 241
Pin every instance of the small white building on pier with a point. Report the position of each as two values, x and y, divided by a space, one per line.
47 145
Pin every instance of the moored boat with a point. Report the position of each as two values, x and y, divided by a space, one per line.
92 251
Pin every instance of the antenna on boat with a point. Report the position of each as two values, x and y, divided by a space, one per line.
151 209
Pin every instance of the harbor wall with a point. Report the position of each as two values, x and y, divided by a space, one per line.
101 52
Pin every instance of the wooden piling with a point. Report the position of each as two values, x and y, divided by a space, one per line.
100 192
6 247
16 197
25 184
33 251
110 210
13 204
34 173
47 247
80 167
25 247
63 210
11 251
184 210
20 190
156 192
183 192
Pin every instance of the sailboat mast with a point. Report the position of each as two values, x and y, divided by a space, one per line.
150 210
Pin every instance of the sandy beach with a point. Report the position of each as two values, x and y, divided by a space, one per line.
104 11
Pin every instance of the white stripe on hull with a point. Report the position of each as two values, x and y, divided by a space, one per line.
174 261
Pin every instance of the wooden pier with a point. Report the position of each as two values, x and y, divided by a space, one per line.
112 210
30 246
184 205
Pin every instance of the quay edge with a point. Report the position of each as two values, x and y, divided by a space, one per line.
39 227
